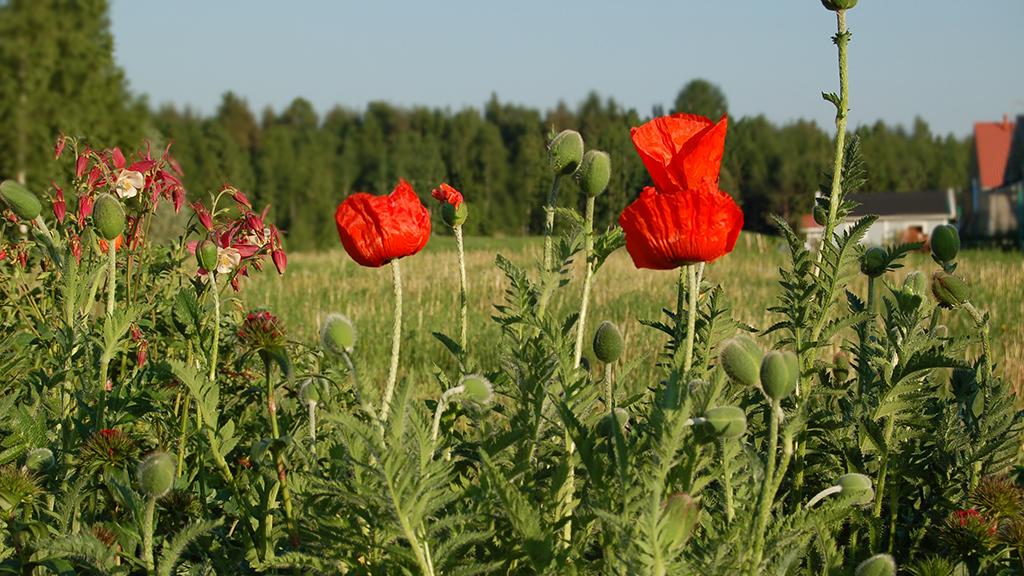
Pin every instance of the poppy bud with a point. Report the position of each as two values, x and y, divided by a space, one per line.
741 357
874 261
856 487
453 216
156 474
945 243
595 172
681 513
108 217
728 422
477 388
338 334
837 5
949 290
39 460
820 215
877 565
565 152
206 255
915 284
608 342
21 200
777 377
621 420
310 392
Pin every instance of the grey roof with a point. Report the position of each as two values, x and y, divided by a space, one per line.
897 203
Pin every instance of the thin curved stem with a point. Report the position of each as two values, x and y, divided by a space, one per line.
463 292
396 342
111 276
442 403
764 506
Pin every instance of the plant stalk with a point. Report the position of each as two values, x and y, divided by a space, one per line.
764 504
463 291
147 534
587 281
396 342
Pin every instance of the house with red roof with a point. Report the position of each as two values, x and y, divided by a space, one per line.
996 205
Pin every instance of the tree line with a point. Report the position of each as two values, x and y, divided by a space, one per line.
62 77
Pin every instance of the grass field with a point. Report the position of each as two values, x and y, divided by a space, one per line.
319 283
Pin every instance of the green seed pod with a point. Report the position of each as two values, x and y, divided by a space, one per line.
776 378
728 422
837 5
156 474
820 215
594 173
338 334
874 262
39 460
453 216
741 357
877 565
108 217
604 426
856 487
608 342
949 290
206 255
477 388
915 283
21 200
565 152
681 513
945 243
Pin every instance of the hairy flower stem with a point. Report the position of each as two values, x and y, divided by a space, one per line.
609 387
883 469
215 342
730 512
549 224
463 292
282 474
842 40
986 350
547 285
396 342
111 276
147 534
868 328
442 404
104 356
692 290
764 504
588 247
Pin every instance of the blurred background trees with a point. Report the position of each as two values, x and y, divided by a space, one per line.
60 76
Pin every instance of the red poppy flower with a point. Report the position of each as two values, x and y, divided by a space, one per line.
378 229
447 195
684 218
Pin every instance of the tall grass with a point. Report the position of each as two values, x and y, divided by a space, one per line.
320 283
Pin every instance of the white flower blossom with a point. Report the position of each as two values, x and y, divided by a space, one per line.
128 183
227 259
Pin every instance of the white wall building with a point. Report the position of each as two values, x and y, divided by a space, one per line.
902 217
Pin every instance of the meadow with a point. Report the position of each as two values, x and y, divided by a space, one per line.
326 282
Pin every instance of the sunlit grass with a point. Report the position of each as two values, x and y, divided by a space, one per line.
319 283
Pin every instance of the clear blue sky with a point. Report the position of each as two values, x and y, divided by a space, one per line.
950 61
